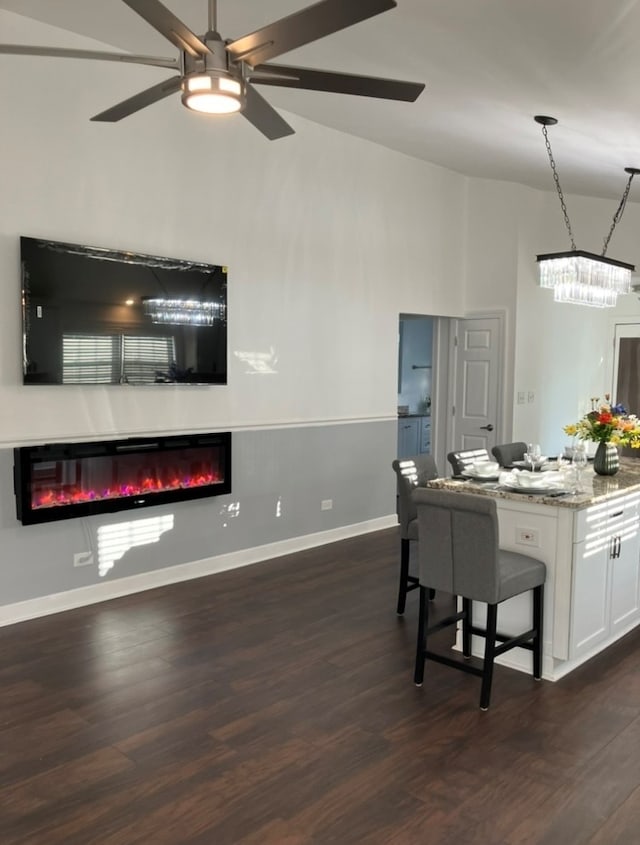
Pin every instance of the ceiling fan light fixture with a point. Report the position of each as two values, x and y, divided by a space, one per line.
212 93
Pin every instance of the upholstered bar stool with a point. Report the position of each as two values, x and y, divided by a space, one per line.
410 473
506 453
461 460
462 556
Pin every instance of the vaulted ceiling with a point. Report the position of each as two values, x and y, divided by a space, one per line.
489 66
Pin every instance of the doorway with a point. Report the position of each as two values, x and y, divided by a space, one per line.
450 384
626 366
415 384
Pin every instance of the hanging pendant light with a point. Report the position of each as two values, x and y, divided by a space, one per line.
577 276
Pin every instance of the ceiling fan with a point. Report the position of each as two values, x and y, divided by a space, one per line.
218 75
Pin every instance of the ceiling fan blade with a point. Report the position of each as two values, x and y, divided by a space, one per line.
169 25
300 28
63 53
139 101
264 117
337 83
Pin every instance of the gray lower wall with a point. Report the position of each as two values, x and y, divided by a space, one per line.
279 478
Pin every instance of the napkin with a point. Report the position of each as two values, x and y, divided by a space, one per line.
484 467
532 480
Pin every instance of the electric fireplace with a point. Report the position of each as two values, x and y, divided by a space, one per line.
65 480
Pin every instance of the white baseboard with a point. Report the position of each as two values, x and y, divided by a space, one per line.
72 599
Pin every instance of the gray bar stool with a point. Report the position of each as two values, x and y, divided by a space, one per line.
458 552
506 453
410 473
461 460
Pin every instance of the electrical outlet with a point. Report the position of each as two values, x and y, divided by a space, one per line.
521 397
83 559
528 537
326 504
531 396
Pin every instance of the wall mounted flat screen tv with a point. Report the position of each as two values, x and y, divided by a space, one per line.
103 316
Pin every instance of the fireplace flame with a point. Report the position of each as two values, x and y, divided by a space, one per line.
51 498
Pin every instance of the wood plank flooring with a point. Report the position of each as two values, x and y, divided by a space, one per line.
274 705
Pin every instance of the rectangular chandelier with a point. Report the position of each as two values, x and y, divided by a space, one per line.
584 278
193 312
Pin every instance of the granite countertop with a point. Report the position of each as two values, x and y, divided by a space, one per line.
596 488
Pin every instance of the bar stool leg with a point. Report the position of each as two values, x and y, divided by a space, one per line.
421 645
538 619
489 649
404 575
467 621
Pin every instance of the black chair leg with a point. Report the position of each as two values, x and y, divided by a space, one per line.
421 645
432 594
404 575
467 622
489 649
538 619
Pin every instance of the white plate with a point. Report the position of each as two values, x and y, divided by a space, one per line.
534 491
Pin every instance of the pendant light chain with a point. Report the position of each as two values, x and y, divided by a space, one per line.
619 212
556 179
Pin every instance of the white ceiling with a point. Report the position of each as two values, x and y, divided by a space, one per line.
489 66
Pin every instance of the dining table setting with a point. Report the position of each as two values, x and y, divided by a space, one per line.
535 474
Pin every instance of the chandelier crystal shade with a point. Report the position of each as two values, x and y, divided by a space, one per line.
583 278
579 277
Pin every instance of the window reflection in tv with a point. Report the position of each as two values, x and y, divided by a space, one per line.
102 316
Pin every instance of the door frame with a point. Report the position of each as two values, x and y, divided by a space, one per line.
612 368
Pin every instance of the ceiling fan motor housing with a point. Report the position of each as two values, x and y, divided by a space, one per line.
209 84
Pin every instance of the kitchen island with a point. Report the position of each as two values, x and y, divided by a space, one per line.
590 542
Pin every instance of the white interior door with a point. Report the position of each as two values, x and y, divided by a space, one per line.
477 350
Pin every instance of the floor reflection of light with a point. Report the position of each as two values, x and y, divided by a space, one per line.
231 511
114 541
259 363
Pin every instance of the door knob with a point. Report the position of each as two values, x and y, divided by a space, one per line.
487 427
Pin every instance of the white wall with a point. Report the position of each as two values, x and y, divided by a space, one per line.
563 352
327 239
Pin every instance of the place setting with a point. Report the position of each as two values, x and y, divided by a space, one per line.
535 475
540 475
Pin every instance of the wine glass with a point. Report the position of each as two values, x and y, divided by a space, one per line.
533 455
579 462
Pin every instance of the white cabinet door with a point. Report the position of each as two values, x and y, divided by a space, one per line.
589 611
625 577
606 574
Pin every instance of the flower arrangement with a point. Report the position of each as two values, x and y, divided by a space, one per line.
607 423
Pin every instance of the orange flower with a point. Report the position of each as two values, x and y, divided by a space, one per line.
605 418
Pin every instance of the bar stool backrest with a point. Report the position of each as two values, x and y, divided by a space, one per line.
461 460
461 557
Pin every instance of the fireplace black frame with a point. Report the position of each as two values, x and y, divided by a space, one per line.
28 457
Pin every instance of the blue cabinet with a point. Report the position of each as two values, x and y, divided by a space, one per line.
425 434
414 436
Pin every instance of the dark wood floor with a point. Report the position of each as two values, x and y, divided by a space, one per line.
274 705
